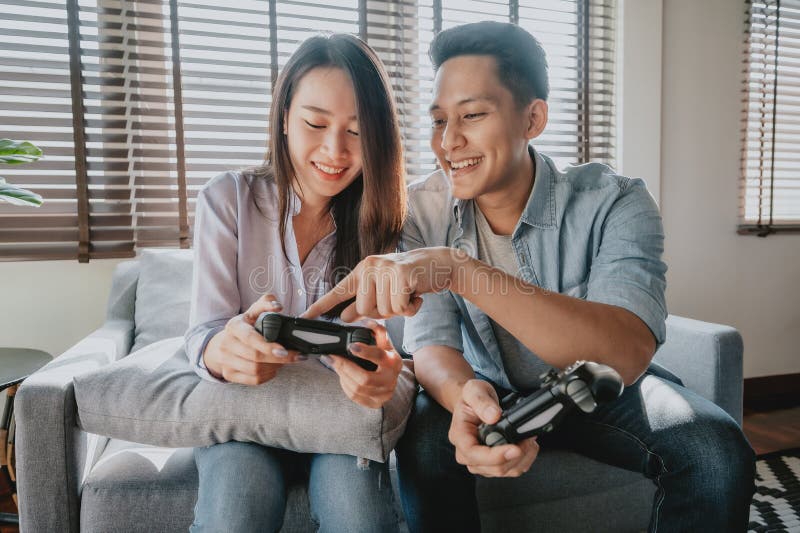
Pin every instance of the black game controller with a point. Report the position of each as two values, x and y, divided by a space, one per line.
314 337
583 385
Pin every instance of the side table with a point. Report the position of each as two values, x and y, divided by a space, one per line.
16 364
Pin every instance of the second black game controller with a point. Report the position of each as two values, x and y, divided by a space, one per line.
582 386
315 337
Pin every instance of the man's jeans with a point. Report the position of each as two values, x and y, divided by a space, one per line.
243 488
695 453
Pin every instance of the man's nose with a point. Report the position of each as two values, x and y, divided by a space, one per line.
452 137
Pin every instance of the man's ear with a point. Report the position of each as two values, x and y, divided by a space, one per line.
536 113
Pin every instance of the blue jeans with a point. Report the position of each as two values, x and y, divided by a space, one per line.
695 453
243 488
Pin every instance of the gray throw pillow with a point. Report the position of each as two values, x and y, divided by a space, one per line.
154 397
163 295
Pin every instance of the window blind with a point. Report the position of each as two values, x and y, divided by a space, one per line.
770 171
137 103
36 105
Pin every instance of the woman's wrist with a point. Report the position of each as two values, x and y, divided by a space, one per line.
208 360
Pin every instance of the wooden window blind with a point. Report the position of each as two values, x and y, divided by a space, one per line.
769 190
137 103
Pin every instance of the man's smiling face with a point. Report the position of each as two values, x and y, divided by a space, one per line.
480 135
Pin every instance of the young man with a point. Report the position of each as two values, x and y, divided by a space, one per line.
525 267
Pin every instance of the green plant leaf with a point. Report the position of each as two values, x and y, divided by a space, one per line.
17 152
18 196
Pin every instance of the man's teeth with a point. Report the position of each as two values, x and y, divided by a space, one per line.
465 163
327 169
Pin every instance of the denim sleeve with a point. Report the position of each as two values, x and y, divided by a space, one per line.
215 291
628 271
438 321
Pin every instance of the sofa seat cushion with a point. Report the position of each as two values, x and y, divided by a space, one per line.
154 397
136 487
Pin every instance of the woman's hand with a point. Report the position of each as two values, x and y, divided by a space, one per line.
240 354
370 389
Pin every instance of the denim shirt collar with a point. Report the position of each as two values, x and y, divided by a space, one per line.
540 211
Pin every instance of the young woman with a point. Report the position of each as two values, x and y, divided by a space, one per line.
277 237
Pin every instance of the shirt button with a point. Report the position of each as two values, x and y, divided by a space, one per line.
300 292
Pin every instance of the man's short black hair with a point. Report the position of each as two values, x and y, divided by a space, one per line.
521 60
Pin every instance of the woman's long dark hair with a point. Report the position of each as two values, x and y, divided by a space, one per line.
369 213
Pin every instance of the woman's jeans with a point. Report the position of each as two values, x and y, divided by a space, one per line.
693 451
243 488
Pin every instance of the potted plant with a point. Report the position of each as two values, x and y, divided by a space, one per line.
16 153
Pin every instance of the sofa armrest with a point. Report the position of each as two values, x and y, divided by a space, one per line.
53 454
708 358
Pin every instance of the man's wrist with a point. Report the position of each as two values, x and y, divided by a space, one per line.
454 392
462 268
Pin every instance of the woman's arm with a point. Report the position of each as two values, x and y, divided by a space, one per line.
221 341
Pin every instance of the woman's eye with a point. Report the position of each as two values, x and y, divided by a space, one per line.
438 122
315 126
353 133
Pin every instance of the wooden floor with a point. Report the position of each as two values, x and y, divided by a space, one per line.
771 431
767 431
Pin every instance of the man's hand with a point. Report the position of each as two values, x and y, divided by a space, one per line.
370 389
479 404
391 284
240 354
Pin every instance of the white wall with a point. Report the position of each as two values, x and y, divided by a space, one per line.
50 305
639 92
715 274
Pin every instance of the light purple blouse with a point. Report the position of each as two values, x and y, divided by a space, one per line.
238 258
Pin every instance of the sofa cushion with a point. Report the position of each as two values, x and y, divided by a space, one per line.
154 397
163 295
131 478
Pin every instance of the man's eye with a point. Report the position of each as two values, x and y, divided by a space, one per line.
315 126
472 116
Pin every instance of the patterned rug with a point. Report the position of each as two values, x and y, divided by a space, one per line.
776 503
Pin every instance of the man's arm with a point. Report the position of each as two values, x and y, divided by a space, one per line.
442 371
558 328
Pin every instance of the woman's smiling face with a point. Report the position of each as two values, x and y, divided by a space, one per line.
322 134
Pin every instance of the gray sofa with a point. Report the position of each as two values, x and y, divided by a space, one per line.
73 481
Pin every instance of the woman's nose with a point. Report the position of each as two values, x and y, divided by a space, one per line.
335 145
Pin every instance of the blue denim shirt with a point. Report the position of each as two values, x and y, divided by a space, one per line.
585 232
